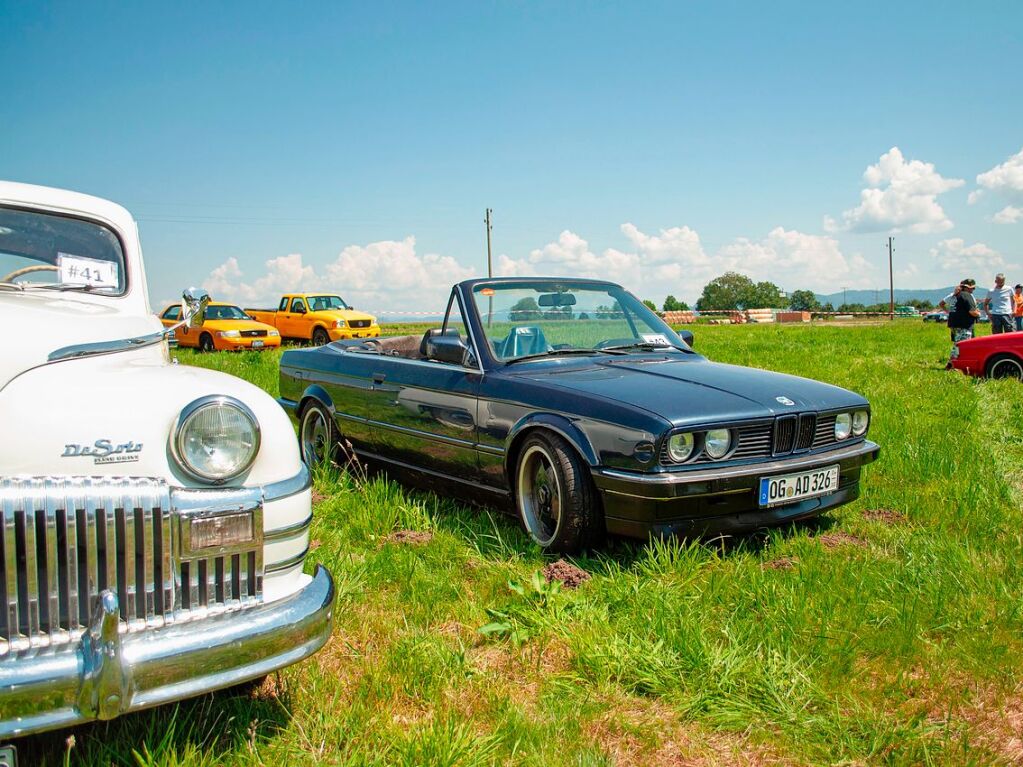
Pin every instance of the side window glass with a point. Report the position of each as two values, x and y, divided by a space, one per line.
172 313
454 322
298 305
283 307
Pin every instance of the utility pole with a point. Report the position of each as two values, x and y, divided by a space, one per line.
845 301
891 279
490 267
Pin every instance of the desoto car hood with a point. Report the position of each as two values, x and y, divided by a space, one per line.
694 390
40 322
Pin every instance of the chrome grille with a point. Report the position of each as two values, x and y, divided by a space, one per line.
65 540
253 333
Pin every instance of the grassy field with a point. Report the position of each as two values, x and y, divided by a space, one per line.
888 634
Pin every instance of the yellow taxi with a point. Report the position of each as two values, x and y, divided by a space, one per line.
226 327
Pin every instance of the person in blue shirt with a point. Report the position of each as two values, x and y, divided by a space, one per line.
999 306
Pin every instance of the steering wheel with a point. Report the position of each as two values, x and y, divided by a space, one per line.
12 276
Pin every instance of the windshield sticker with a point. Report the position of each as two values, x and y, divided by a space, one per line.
79 270
657 339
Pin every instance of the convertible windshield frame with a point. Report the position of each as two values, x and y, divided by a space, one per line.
120 250
620 322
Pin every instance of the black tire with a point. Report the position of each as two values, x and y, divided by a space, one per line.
554 495
206 343
320 337
318 436
1005 366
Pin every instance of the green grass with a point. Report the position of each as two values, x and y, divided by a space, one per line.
856 641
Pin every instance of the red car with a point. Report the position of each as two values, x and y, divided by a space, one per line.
995 356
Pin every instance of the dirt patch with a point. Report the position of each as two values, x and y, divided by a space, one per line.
314 544
837 540
885 516
319 497
781 563
997 724
569 575
410 537
271 687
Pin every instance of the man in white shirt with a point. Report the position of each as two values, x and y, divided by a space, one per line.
999 305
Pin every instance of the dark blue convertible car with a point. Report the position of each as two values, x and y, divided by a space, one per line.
571 402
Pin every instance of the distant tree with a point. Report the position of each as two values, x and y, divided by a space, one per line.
828 307
852 308
525 309
672 304
737 291
649 304
804 301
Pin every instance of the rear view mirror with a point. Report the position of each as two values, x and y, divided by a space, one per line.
193 306
556 299
449 349
687 336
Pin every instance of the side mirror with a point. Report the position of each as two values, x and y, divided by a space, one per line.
687 336
193 306
447 349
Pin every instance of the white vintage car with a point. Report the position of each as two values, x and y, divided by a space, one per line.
155 516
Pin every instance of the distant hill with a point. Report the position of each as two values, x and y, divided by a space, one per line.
868 297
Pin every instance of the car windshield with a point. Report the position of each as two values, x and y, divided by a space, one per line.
326 303
215 312
530 319
46 251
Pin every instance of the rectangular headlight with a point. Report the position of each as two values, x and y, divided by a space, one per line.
220 530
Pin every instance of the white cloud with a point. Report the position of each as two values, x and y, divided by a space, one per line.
1008 215
900 196
381 276
954 255
1007 177
674 261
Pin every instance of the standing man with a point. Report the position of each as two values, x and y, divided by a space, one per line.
1017 298
999 306
962 314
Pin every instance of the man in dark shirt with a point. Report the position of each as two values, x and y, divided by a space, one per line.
963 313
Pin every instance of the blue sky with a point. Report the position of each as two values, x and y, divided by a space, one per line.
269 147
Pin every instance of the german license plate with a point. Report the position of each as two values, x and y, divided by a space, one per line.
788 488
257 344
8 756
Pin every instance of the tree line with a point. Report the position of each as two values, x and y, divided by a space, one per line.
734 291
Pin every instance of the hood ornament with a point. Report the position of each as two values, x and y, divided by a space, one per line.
784 400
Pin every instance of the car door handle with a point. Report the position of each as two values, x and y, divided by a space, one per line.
378 378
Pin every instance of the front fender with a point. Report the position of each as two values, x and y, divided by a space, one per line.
560 425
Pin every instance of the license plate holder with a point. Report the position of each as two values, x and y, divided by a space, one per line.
257 344
798 486
8 756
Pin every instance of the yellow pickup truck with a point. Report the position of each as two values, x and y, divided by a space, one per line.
317 317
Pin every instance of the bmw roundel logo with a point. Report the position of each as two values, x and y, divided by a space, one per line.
785 401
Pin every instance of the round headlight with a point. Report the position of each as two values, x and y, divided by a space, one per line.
717 443
216 438
843 425
860 419
339 323
680 446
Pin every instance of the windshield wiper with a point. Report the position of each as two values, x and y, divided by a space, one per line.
559 352
65 286
648 346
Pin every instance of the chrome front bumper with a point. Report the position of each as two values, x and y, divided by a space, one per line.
110 673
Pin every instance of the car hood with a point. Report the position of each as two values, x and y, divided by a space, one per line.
692 391
344 314
41 322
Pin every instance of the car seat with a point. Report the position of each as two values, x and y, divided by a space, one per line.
524 340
